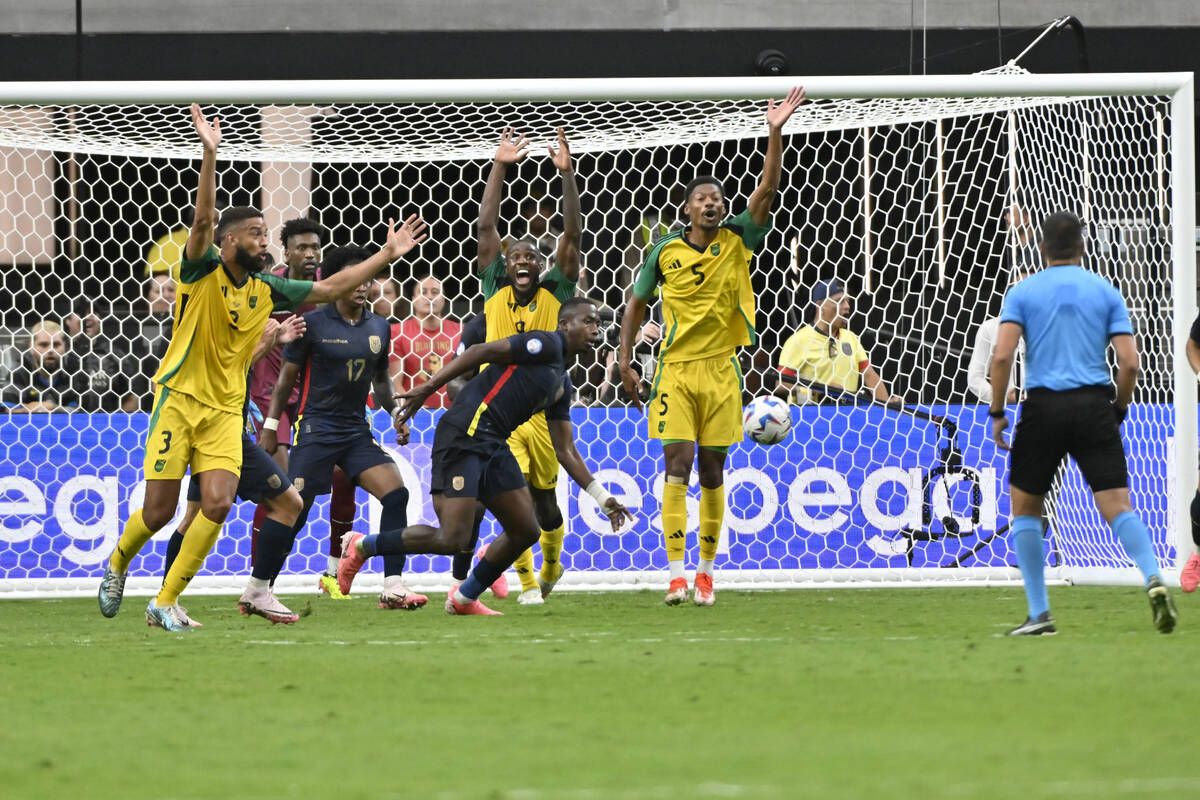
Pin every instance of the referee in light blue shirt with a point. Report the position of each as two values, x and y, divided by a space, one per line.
1068 316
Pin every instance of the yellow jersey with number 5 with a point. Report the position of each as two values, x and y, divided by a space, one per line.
708 301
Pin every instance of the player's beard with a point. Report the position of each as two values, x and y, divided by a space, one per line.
248 262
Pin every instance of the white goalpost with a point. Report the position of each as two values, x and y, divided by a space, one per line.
909 190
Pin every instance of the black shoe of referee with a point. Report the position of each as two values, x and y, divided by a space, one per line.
1042 626
1161 606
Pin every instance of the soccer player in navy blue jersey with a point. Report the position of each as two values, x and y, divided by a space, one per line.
1068 317
471 460
342 357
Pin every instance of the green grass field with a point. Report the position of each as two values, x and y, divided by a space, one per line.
815 693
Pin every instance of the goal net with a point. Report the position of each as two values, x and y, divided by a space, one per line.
922 196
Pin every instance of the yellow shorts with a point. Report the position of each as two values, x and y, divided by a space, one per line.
184 431
531 446
698 401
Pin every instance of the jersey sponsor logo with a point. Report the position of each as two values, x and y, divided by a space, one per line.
534 346
676 264
715 249
458 483
336 341
375 343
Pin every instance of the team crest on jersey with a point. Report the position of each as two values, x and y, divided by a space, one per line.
533 305
715 249
376 343
253 301
458 483
160 465
299 484
847 349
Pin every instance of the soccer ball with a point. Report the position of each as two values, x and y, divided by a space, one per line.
767 419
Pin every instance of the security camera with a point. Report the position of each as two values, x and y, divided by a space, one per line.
771 62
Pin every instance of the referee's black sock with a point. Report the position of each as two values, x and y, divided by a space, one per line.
394 517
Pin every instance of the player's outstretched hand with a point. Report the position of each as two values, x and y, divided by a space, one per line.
210 132
290 329
779 114
617 514
562 156
999 425
633 385
410 402
404 238
513 147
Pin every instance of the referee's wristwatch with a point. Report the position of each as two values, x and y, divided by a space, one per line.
996 413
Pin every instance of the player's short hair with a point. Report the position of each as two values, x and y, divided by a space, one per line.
702 180
1062 235
570 303
340 257
301 225
232 216
49 326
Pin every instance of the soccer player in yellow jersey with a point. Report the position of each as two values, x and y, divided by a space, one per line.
517 300
222 307
702 274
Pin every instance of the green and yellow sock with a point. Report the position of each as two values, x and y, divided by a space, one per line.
712 517
201 537
551 543
674 521
132 540
524 567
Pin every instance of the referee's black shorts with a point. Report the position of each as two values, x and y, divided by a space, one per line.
1077 422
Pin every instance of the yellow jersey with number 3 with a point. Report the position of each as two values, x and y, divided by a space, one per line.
707 297
217 325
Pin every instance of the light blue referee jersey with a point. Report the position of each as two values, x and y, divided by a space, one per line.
1068 315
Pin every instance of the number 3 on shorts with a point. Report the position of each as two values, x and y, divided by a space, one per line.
166 435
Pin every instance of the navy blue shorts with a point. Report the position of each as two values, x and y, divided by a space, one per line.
465 466
261 477
311 463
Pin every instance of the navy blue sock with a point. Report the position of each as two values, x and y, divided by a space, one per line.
173 546
274 545
1195 520
1027 542
1135 538
484 575
394 517
385 543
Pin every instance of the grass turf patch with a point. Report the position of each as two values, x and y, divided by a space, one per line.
815 693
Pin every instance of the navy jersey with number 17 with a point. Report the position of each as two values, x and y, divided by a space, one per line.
503 396
338 363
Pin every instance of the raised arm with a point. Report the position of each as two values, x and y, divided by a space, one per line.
768 186
567 254
399 242
513 148
494 352
201 236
